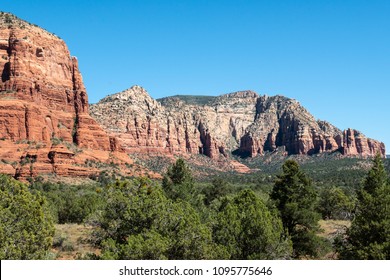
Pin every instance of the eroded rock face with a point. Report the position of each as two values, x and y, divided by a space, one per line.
42 94
281 121
356 143
241 122
144 125
46 127
44 111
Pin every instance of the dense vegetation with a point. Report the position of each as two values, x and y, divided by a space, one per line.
26 228
191 99
264 216
369 235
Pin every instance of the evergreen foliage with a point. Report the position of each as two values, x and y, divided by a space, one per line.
26 227
70 204
239 217
335 204
295 198
369 235
178 182
249 230
140 222
217 189
377 177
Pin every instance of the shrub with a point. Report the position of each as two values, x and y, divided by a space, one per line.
26 227
249 230
140 222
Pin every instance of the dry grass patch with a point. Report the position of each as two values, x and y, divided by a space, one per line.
331 228
71 241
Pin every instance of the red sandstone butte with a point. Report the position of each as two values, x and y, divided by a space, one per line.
44 111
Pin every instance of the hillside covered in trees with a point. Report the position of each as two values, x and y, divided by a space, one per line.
182 217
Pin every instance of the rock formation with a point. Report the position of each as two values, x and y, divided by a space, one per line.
46 127
241 122
44 104
356 143
42 92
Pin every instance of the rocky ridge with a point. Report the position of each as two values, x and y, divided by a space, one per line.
242 122
45 126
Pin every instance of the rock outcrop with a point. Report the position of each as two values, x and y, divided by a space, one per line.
42 92
281 121
146 126
241 122
44 106
356 143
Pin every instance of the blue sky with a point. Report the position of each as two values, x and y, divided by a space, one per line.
332 56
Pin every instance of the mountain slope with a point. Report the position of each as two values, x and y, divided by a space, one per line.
241 122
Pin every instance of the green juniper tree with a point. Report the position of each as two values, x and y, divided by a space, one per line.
295 198
335 204
178 182
140 222
217 189
26 227
249 230
369 235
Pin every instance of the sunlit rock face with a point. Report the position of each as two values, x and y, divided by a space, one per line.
241 122
44 111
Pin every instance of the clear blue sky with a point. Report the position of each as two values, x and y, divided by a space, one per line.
332 56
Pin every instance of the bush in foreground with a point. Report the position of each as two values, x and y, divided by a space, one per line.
140 222
26 227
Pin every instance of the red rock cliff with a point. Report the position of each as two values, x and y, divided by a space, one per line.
44 104
42 92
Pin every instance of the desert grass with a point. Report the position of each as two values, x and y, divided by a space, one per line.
71 242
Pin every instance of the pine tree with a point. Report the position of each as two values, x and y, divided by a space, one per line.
369 235
377 177
295 197
178 182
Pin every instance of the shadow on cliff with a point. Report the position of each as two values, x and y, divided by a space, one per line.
5 75
241 154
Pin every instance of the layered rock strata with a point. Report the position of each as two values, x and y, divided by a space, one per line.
43 104
42 92
46 126
241 122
